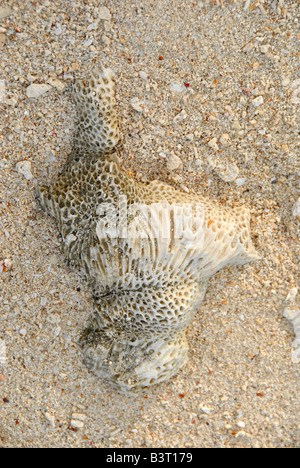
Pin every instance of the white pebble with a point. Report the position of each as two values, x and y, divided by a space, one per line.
24 168
285 82
50 418
88 42
226 170
174 162
247 4
57 30
43 301
296 208
239 182
70 238
36 90
2 90
104 13
224 139
258 101
241 424
4 12
213 144
143 75
176 87
136 104
77 421
92 26
5 265
264 48
181 116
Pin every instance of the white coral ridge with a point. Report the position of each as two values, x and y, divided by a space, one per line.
145 249
292 313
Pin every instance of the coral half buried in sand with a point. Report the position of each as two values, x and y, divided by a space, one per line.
145 249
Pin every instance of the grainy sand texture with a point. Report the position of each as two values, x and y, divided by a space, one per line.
208 99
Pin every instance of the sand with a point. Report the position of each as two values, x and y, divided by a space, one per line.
208 97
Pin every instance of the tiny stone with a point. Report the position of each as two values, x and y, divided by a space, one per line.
24 168
54 260
181 116
36 90
176 87
296 208
236 125
258 101
264 48
88 42
104 13
106 40
57 30
70 238
74 66
4 12
92 26
284 147
7 263
143 75
174 162
76 424
285 82
224 139
213 143
239 182
2 38
43 301
136 104
50 418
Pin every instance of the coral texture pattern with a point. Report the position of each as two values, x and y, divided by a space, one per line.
145 249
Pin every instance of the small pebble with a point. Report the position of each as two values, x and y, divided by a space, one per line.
4 12
174 162
50 418
2 90
77 421
258 101
177 87
239 182
285 82
5 265
104 13
136 104
296 208
143 75
37 90
24 168
180 117
213 144
264 48
224 139
74 66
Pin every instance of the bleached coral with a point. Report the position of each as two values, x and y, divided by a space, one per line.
146 250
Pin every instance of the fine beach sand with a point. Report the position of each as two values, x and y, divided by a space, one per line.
208 99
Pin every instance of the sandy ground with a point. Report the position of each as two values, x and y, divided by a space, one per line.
216 85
